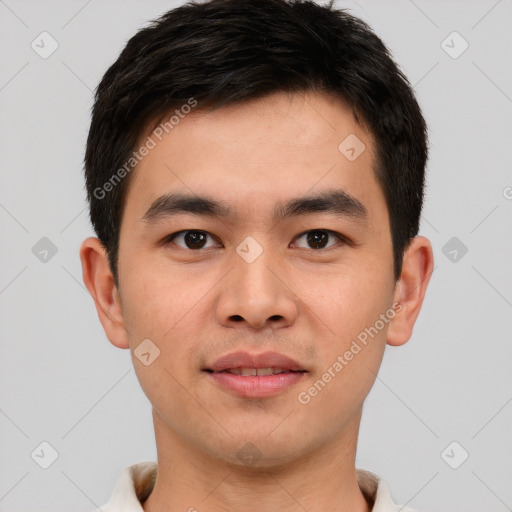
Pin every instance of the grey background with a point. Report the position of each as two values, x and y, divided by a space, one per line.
62 382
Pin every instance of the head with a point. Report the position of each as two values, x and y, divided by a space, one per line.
284 126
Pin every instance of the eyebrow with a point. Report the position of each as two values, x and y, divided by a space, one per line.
337 202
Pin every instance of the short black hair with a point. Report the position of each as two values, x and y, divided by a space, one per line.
223 52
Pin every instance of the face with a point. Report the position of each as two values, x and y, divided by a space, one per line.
295 258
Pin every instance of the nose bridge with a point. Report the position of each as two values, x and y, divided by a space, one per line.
253 291
254 278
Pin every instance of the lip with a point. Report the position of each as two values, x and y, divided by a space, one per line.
263 360
256 386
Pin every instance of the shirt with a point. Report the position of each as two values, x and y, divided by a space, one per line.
136 482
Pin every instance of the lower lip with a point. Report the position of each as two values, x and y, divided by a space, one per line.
256 386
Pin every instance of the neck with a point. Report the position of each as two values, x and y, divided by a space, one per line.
189 480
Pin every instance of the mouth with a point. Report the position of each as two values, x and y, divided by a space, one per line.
257 372
245 363
255 375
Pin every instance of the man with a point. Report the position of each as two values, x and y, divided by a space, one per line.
255 173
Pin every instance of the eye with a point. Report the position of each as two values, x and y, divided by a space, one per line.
191 239
318 239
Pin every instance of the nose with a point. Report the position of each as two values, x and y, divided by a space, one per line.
257 295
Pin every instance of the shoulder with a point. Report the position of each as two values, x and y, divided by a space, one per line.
132 487
376 491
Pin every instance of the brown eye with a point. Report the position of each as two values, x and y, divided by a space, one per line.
191 239
318 239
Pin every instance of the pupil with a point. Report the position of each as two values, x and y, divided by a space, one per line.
195 239
317 239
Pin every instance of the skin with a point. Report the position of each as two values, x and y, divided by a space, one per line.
308 303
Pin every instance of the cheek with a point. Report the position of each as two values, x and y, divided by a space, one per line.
347 299
351 347
171 310
157 301
163 308
353 313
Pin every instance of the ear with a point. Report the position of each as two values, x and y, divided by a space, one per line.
417 267
99 280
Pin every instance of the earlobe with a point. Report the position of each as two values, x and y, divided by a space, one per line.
417 267
99 280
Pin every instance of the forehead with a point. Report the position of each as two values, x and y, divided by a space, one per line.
252 153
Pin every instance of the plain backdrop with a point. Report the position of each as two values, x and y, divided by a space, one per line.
444 396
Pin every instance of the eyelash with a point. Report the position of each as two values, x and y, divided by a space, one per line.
344 240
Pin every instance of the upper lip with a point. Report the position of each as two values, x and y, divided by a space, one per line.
247 360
